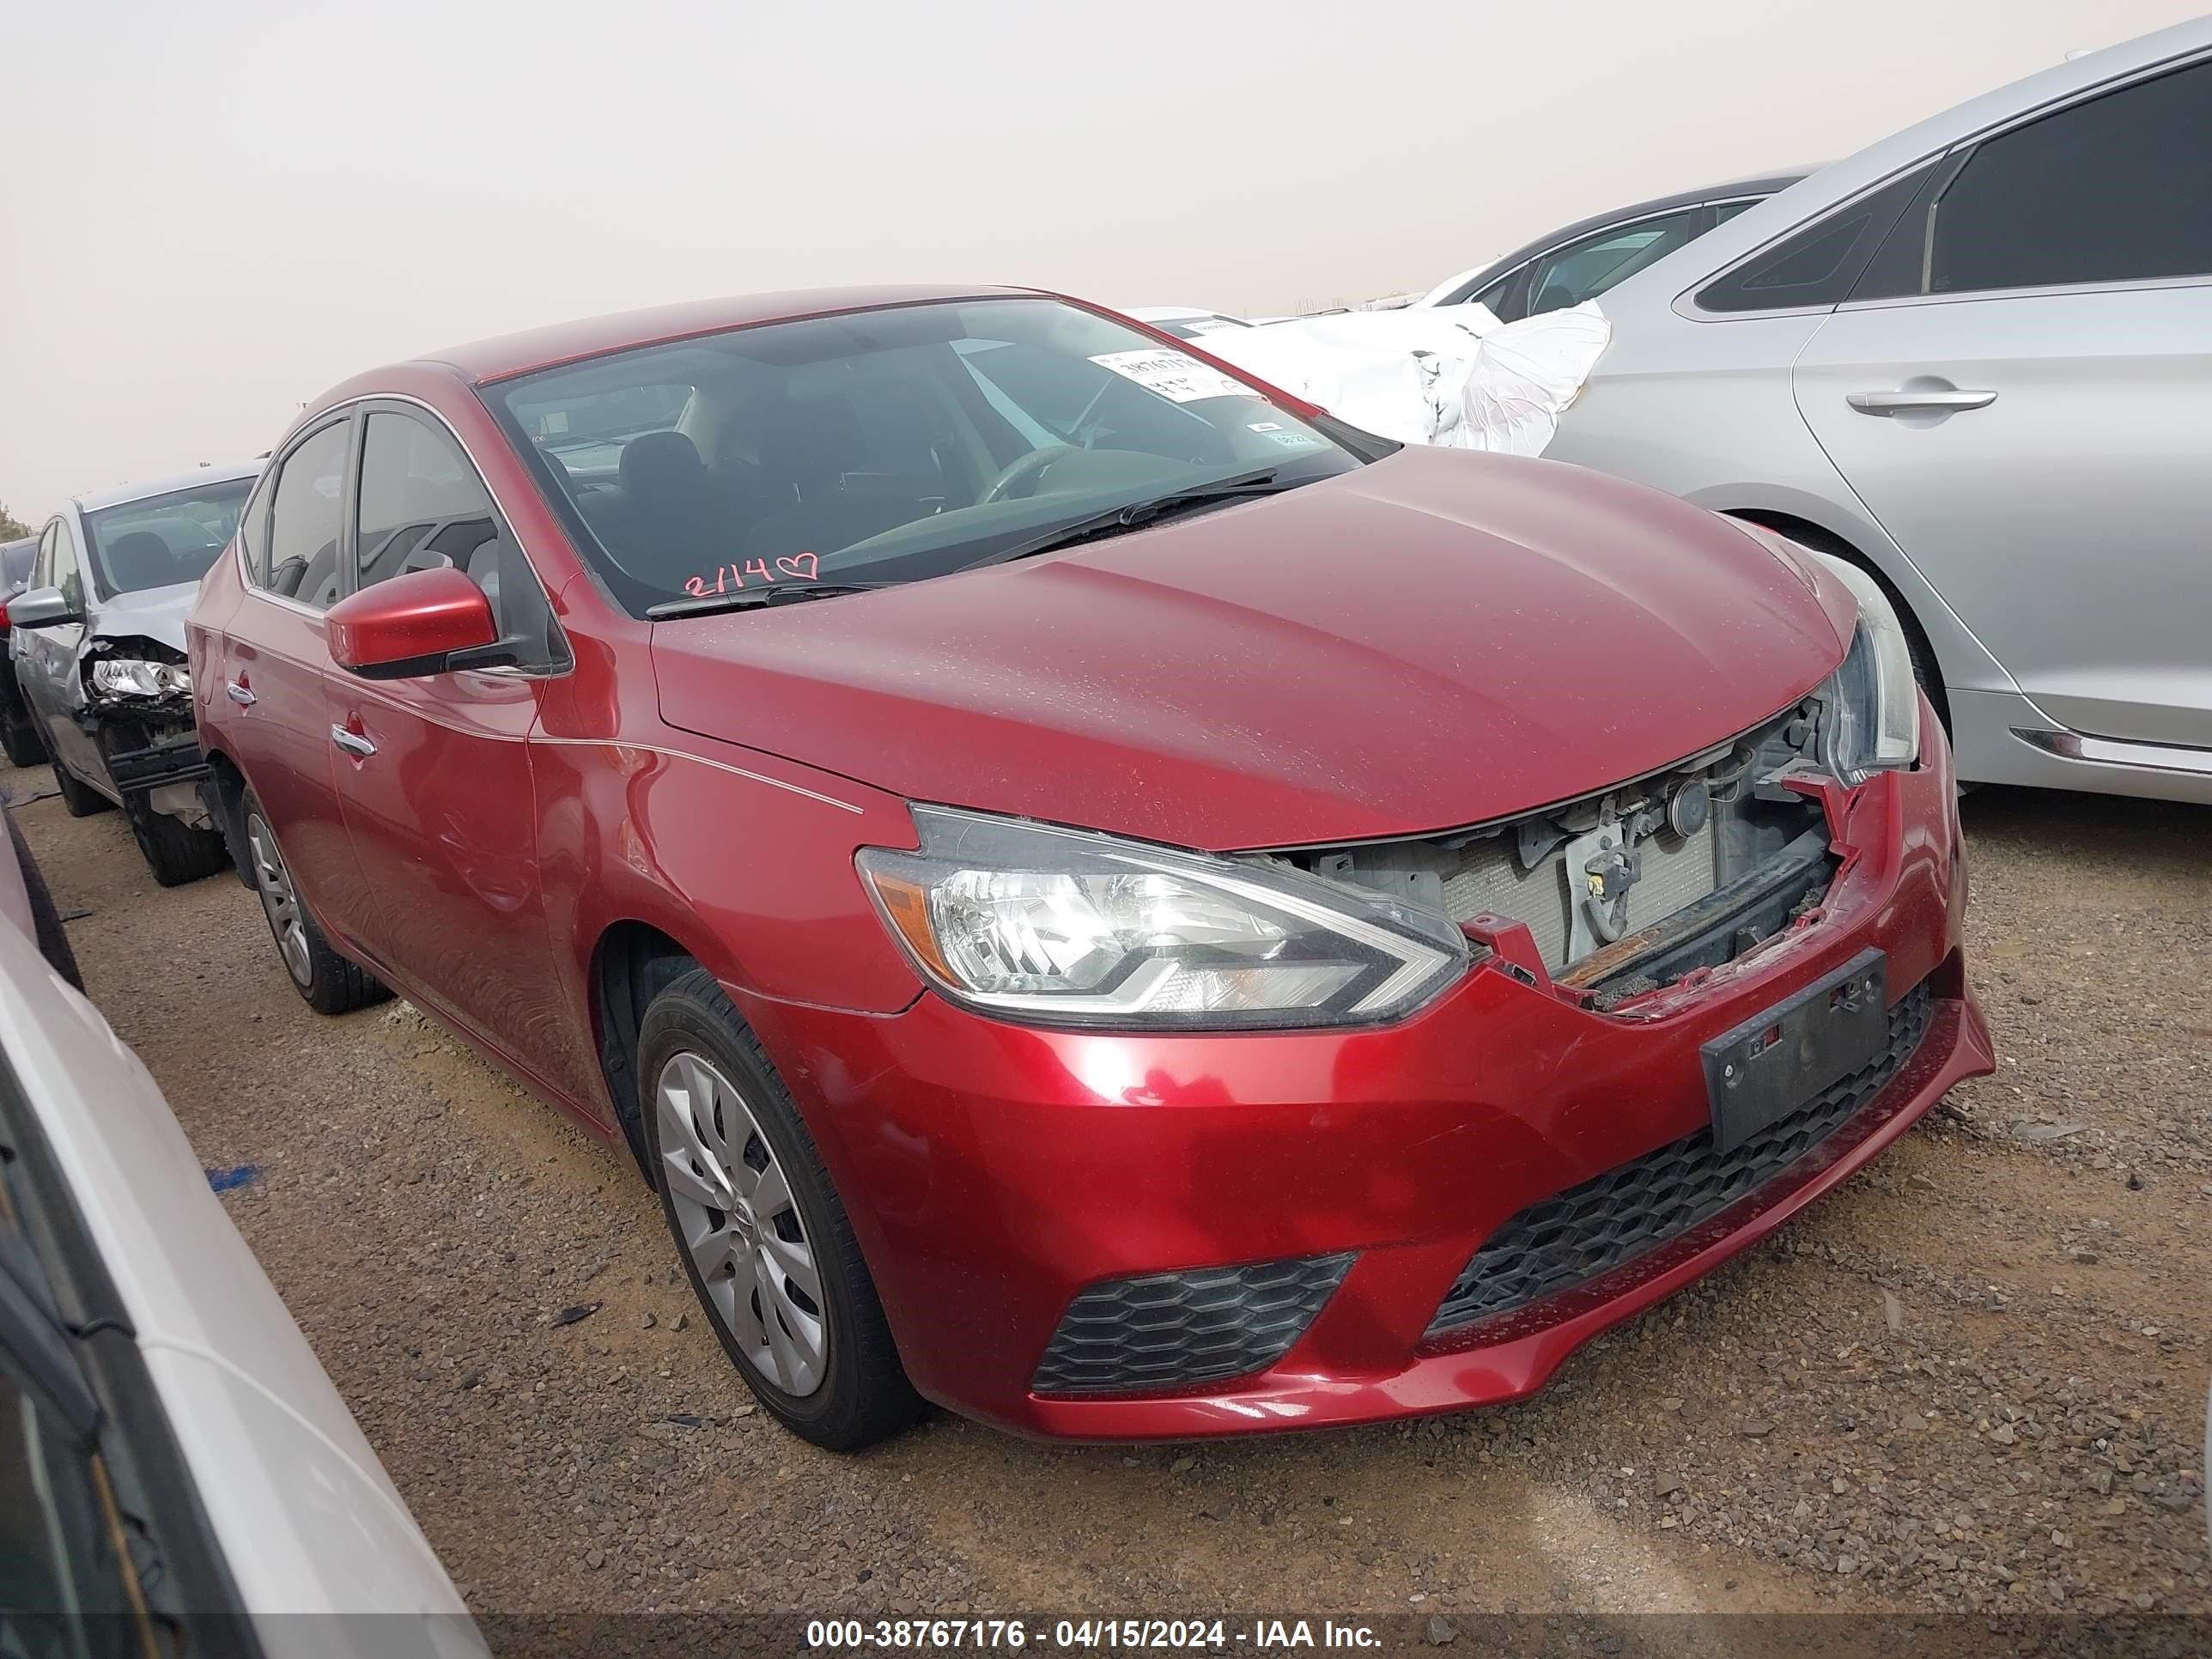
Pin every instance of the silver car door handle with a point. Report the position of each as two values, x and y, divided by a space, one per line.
1899 402
239 694
356 744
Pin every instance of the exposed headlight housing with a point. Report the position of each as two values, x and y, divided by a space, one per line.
1069 927
1872 702
133 676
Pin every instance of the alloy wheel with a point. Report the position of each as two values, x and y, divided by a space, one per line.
279 901
736 1215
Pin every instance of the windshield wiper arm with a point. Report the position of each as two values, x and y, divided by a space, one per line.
751 598
1135 514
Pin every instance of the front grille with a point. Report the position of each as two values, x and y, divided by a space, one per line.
1606 1222
1166 1330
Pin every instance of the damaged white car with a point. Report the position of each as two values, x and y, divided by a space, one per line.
97 639
1454 377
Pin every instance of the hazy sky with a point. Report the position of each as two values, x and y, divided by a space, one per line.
214 209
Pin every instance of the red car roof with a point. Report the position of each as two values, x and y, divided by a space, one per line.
539 347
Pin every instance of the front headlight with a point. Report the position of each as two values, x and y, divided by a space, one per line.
1873 701
1075 929
130 676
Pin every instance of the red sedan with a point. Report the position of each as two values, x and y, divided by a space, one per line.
1097 894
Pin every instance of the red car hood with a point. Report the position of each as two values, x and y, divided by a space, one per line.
1435 640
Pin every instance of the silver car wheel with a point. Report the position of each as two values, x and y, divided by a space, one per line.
736 1215
279 901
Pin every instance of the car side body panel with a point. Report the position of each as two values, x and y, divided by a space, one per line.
305 1517
1726 395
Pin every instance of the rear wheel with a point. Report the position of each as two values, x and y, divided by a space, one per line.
330 983
81 800
20 741
174 850
765 1240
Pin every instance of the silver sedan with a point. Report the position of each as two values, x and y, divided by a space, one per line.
1975 358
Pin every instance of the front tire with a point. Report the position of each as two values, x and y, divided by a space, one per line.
764 1239
328 982
81 801
175 852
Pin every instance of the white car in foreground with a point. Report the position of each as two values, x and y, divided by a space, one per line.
177 1475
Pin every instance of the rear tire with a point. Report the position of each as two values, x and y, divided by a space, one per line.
81 800
20 741
328 982
762 1236
46 920
174 850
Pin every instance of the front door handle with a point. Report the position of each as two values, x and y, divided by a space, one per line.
356 744
240 694
1946 401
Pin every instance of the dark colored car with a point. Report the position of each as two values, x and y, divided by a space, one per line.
18 727
1580 261
1097 895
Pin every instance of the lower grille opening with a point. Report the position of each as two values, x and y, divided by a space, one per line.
1168 1330
1587 1230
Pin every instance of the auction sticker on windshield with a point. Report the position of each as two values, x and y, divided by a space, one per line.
1177 377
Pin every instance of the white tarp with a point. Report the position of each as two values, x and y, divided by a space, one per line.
1448 375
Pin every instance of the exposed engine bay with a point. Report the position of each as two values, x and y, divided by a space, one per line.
138 711
1631 889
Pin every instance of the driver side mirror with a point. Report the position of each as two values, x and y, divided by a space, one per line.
41 607
426 621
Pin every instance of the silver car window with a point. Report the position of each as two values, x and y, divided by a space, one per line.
2117 189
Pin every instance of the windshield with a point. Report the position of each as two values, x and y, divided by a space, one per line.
164 540
887 446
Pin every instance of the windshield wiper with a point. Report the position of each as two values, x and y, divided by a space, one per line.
1129 517
749 598
1134 514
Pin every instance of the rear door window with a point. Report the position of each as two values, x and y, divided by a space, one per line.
2115 189
306 513
1819 264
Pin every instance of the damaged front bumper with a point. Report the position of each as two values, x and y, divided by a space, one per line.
1108 1236
157 764
167 774
150 750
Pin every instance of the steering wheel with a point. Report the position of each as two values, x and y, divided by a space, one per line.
1023 469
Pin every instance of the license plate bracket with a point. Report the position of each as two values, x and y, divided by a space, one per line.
1773 1063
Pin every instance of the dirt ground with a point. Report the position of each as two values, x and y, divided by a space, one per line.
1974 1378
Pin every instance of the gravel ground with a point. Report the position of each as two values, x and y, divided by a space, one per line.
1973 1379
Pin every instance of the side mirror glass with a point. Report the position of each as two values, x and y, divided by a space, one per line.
41 607
426 621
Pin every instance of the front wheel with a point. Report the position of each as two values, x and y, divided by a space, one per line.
330 983
765 1240
175 852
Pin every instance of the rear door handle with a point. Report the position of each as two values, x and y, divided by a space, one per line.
239 694
1905 403
356 744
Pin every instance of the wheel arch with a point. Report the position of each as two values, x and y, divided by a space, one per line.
631 961
1821 540
223 790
